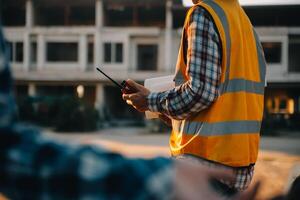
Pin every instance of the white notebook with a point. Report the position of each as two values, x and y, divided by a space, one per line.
158 84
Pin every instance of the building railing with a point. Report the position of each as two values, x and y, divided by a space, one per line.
34 49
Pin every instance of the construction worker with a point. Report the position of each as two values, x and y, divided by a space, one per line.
216 107
36 167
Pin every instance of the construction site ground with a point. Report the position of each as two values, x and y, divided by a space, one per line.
278 161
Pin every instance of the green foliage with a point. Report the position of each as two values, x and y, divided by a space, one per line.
26 109
63 113
74 115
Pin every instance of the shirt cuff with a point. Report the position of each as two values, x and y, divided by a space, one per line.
153 102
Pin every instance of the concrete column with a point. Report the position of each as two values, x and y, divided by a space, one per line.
98 33
29 14
27 52
98 49
99 13
29 25
31 90
83 52
41 52
100 101
285 54
168 36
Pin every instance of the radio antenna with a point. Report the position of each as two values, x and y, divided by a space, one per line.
115 82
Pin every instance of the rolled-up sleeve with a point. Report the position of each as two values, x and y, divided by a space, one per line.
204 70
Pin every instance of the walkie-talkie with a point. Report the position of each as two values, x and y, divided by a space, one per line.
124 86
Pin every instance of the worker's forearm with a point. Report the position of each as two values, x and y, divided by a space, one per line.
203 69
181 102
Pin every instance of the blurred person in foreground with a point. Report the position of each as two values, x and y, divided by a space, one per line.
216 108
35 167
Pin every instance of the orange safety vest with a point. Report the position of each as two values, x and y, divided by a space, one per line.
228 131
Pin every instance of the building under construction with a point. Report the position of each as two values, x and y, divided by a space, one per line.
56 45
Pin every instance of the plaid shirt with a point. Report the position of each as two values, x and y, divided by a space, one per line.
204 69
34 167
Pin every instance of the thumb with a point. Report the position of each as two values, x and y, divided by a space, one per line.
134 84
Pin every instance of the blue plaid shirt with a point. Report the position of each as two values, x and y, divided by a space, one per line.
34 167
204 69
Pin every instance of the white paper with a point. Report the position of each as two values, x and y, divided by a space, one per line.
159 84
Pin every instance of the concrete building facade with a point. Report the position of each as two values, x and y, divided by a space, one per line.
56 45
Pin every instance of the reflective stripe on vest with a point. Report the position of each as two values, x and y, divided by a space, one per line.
220 128
238 85
261 57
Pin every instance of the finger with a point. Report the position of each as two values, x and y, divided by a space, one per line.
138 109
126 97
129 102
249 194
135 85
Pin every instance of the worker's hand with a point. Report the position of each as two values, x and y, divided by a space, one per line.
192 182
165 119
139 99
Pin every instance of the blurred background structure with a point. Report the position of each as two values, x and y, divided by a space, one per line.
56 45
